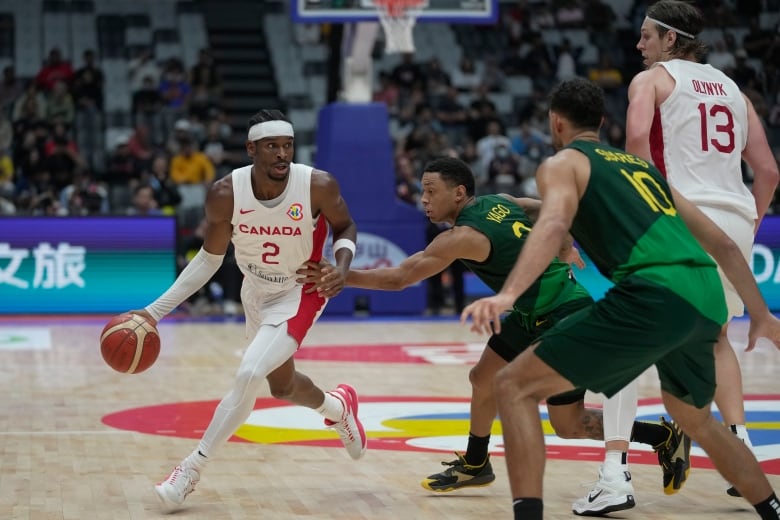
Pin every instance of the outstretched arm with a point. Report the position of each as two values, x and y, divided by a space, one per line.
219 211
447 247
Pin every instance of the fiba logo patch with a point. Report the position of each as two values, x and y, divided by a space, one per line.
295 212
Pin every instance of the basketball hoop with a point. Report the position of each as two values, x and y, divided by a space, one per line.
398 18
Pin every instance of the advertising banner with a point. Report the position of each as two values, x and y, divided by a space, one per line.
84 265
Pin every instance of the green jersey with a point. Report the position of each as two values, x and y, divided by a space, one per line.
651 240
507 226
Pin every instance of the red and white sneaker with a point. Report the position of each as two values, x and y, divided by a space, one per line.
174 489
349 428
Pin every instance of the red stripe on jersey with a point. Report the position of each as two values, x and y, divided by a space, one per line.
657 143
318 243
311 305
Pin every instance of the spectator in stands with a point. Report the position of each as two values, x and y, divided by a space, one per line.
599 20
538 64
11 88
387 93
88 84
437 80
492 76
147 105
744 75
487 146
141 147
721 58
425 130
30 106
407 73
214 148
407 185
466 77
452 115
606 75
6 133
191 166
758 40
55 69
59 105
482 111
62 159
566 67
143 202
84 196
516 21
59 136
166 192
123 172
175 91
141 67
503 173
204 74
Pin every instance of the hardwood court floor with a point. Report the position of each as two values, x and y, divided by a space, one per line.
78 441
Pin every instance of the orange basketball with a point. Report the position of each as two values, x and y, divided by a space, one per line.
129 343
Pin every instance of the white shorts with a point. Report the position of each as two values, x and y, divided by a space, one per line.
298 309
740 230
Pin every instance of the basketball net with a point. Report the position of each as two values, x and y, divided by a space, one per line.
398 18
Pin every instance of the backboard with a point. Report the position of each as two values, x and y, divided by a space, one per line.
347 11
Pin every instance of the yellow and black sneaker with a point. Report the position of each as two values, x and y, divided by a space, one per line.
674 456
460 474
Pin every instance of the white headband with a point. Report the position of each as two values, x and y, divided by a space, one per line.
667 26
270 129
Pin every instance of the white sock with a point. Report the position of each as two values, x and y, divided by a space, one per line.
332 408
196 460
613 463
742 434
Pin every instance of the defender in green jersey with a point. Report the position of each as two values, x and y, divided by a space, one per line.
487 234
665 309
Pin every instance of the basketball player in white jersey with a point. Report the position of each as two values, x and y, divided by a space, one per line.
694 124
277 214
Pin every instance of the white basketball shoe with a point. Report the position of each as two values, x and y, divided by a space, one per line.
610 493
349 428
174 489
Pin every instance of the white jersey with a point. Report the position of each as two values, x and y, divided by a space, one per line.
273 238
698 135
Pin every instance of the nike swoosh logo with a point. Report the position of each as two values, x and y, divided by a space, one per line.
594 496
540 322
245 211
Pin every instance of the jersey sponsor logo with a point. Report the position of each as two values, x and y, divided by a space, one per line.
245 211
708 88
268 277
295 211
287 231
425 424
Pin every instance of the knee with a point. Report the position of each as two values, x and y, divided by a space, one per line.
480 379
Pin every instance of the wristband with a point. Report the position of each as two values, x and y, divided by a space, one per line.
344 243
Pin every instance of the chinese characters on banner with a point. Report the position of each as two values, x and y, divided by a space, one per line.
54 268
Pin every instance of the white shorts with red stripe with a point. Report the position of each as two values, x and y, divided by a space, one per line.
298 309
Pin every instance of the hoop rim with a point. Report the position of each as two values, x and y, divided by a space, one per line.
395 8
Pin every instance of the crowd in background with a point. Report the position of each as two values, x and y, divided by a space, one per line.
56 157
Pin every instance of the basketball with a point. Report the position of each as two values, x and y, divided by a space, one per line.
129 343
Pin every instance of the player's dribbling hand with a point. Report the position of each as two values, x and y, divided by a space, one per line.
766 326
323 278
486 313
145 314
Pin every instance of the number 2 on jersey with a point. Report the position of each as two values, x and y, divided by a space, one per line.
723 141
